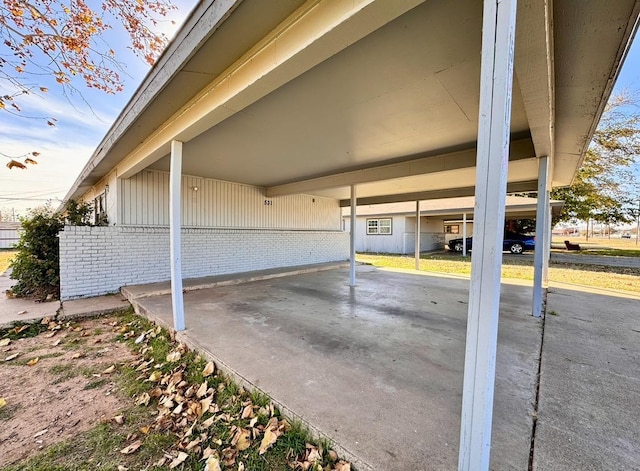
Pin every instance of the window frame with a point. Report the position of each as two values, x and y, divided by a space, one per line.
99 208
451 231
380 227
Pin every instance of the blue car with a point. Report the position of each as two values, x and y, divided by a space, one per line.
513 242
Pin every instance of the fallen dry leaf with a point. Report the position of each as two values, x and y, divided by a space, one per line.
145 430
247 413
127 450
343 466
155 376
178 460
208 370
21 312
3 402
271 434
22 328
77 355
143 399
122 468
119 419
41 433
173 357
56 343
212 464
314 454
12 357
209 422
205 403
33 361
202 390
5 342
109 370
241 439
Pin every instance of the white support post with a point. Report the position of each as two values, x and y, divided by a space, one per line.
417 241
464 234
540 258
547 245
498 33
352 239
175 226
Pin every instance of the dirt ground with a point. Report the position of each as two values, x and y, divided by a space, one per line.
65 391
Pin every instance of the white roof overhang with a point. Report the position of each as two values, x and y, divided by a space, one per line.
311 97
516 207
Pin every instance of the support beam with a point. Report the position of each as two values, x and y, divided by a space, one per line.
540 258
464 234
496 76
417 165
352 239
513 187
417 241
175 226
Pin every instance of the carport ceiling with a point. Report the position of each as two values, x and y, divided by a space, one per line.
407 89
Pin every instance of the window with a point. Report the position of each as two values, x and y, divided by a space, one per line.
452 229
379 226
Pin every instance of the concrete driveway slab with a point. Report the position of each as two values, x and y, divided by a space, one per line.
590 383
377 368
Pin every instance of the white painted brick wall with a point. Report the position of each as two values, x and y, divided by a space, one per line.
100 260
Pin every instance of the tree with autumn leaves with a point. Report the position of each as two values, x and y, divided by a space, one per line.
65 40
605 188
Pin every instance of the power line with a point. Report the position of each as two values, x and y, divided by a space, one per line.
29 199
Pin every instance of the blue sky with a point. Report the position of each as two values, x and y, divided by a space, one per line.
66 148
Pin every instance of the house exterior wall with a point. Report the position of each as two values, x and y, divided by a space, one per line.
100 260
402 238
144 201
9 234
382 243
431 234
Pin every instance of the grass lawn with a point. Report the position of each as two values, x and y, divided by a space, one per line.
5 258
611 247
171 408
627 279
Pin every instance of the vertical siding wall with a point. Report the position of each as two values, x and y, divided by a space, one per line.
100 260
215 203
402 238
9 235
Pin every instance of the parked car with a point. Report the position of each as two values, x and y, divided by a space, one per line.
626 235
513 242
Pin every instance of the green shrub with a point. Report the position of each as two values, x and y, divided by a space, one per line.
36 266
79 213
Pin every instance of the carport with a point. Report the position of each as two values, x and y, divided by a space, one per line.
377 369
375 101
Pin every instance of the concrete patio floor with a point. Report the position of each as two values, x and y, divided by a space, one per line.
589 402
378 368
